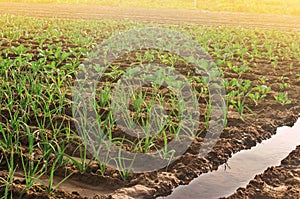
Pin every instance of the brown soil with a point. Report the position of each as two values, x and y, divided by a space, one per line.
276 182
236 136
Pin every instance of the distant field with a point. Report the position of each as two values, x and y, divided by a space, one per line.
290 7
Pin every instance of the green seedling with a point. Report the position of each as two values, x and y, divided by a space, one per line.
237 97
282 98
241 90
51 187
122 162
283 86
259 93
11 171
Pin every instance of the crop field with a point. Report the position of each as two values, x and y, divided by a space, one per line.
42 154
289 7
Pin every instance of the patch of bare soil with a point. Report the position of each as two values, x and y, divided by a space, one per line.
276 182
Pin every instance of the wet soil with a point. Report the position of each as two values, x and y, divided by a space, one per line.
238 135
242 167
276 182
